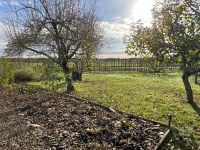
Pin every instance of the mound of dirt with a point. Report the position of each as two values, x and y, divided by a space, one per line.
59 122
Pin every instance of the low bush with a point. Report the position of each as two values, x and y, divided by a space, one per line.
25 75
6 74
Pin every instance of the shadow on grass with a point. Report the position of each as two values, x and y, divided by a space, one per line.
195 107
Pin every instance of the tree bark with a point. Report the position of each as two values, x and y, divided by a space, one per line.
70 86
196 78
188 88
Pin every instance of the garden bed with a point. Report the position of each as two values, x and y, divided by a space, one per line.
56 121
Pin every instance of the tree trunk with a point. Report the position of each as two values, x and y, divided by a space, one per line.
188 88
196 78
70 86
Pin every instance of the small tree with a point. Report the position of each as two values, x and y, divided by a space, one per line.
56 29
173 36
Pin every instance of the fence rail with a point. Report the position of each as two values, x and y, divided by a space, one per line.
130 64
133 64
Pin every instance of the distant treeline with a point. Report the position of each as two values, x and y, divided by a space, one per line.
26 60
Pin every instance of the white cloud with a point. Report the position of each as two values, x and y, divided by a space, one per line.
114 56
123 20
117 28
114 33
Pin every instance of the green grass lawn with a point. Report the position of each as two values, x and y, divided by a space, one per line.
152 96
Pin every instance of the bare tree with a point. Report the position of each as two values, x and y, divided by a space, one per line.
56 29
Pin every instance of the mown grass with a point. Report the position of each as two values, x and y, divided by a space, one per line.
152 96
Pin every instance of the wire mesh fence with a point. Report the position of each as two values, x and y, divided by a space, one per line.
112 64
133 64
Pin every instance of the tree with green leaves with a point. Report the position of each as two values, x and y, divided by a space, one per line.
173 36
57 29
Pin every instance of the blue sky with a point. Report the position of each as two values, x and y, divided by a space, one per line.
116 15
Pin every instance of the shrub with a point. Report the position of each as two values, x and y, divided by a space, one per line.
52 76
6 72
25 75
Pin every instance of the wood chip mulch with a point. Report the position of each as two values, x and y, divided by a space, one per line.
52 121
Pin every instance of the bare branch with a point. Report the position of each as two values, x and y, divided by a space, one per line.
62 28
74 51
